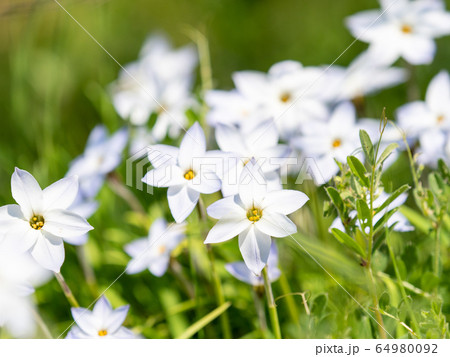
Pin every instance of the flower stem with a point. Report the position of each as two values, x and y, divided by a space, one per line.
373 289
437 250
258 292
66 290
43 326
271 305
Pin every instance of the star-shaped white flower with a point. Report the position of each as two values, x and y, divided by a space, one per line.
41 219
19 274
187 172
101 156
153 252
325 141
434 113
402 28
102 322
255 215
240 271
260 143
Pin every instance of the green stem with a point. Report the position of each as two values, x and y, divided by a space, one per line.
88 272
414 323
378 315
437 249
43 326
292 307
66 290
258 292
271 305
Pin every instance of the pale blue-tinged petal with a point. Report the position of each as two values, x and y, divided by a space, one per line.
418 49
114 320
27 192
192 146
255 248
275 224
227 228
165 176
438 94
49 251
240 271
229 139
225 206
61 194
159 265
64 223
205 181
160 155
182 201
284 201
252 185
86 321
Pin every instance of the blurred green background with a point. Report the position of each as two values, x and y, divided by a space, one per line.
53 91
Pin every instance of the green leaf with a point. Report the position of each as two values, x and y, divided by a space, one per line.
385 154
392 197
358 170
416 219
344 238
383 221
364 215
336 198
367 146
205 320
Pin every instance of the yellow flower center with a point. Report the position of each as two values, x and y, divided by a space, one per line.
37 222
336 143
189 175
254 214
102 333
407 29
440 119
162 249
285 97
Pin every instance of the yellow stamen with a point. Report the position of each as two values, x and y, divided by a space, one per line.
336 143
254 214
37 222
285 97
162 249
440 119
189 175
102 333
407 29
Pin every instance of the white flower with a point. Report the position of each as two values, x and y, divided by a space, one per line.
402 28
255 215
19 274
101 156
41 220
102 322
325 141
362 77
434 145
434 113
153 252
240 271
286 94
84 208
260 143
160 83
187 172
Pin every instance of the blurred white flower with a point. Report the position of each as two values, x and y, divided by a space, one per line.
434 145
402 28
260 143
187 172
160 83
434 113
41 220
325 141
84 208
240 271
255 215
19 274
153 252
101 156
102 322
362 77
286 94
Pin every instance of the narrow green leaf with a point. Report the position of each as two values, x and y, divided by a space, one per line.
205 320
367 146
336 198
392 197
383 221
364 215
344 238
358 170
385 154
416 219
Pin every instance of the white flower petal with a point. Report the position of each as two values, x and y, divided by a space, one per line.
227 228
225 206
49 251
61 194
205 181
255 248
158 266
86 321
115 318
438 93
418 50
275 224
165 176
252 185
27 192
19 236
182 201
240 271
229 139
192 146
63 223
284 201
160 155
